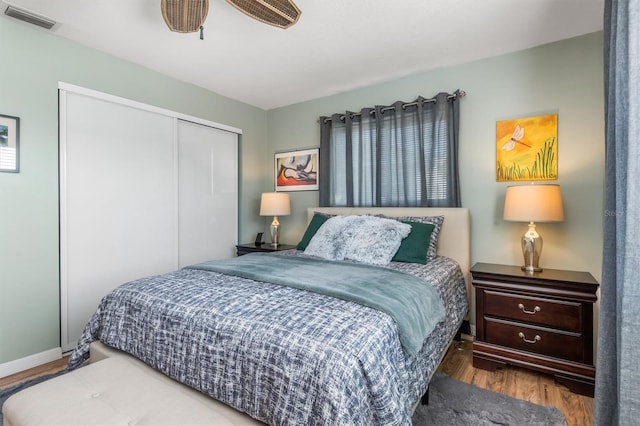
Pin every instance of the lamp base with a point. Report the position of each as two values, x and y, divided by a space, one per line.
275 232
531 249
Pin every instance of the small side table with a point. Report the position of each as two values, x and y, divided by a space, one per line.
542 321
242 249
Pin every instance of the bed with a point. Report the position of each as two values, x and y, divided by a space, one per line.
285 354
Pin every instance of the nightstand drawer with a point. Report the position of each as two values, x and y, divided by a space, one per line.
565 315
540 340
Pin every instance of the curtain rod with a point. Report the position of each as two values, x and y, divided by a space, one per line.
461 93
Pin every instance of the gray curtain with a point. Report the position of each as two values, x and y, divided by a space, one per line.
401 155
617 394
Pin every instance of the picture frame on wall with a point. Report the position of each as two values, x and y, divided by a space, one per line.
527 148
9 144
297 170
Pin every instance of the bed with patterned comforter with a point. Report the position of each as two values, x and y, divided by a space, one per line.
283 355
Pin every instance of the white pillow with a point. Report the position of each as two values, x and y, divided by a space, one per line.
376 240
330 241
367 239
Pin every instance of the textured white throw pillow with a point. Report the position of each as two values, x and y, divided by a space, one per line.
330 241
376 240
366 239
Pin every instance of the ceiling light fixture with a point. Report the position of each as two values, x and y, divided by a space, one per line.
185 16
279 13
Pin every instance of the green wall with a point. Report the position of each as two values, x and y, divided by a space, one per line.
564 77
33 61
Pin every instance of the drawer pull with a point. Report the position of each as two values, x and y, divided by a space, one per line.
535 339
535 309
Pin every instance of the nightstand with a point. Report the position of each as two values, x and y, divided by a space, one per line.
541 321
242 249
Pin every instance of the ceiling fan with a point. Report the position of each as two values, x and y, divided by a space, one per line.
188 16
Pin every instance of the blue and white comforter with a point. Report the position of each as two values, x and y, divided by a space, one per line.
284 356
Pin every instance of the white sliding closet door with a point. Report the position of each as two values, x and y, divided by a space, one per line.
142 192
208 188
118 183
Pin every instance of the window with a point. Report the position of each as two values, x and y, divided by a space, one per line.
404 155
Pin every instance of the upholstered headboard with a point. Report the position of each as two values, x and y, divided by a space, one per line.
454 240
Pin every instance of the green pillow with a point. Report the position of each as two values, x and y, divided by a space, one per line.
413 248
315 224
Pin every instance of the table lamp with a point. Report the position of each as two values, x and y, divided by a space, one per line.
533 203
275 204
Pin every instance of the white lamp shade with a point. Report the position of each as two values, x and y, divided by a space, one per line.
533 203
275 204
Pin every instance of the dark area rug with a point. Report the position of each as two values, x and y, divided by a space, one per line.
452 402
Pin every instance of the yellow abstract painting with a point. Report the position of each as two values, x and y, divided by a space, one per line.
527 148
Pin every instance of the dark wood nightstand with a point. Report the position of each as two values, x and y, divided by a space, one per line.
242 249
541 321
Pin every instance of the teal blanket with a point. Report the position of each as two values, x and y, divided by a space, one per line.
415 306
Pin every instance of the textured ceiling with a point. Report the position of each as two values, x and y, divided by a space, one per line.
336 46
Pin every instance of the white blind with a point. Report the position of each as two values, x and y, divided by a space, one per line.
398 161
7 158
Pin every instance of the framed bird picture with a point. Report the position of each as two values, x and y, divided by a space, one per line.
527 148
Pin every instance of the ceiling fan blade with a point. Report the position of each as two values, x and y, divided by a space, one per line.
279 13
184 16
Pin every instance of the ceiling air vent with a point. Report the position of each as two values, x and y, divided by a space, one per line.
29 17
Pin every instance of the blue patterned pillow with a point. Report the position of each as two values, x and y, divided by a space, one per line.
376 240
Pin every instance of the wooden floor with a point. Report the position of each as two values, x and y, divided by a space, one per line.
516 382
50 368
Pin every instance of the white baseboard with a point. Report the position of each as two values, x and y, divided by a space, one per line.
473 330
18 365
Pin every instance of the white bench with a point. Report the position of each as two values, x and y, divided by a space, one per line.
117 389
